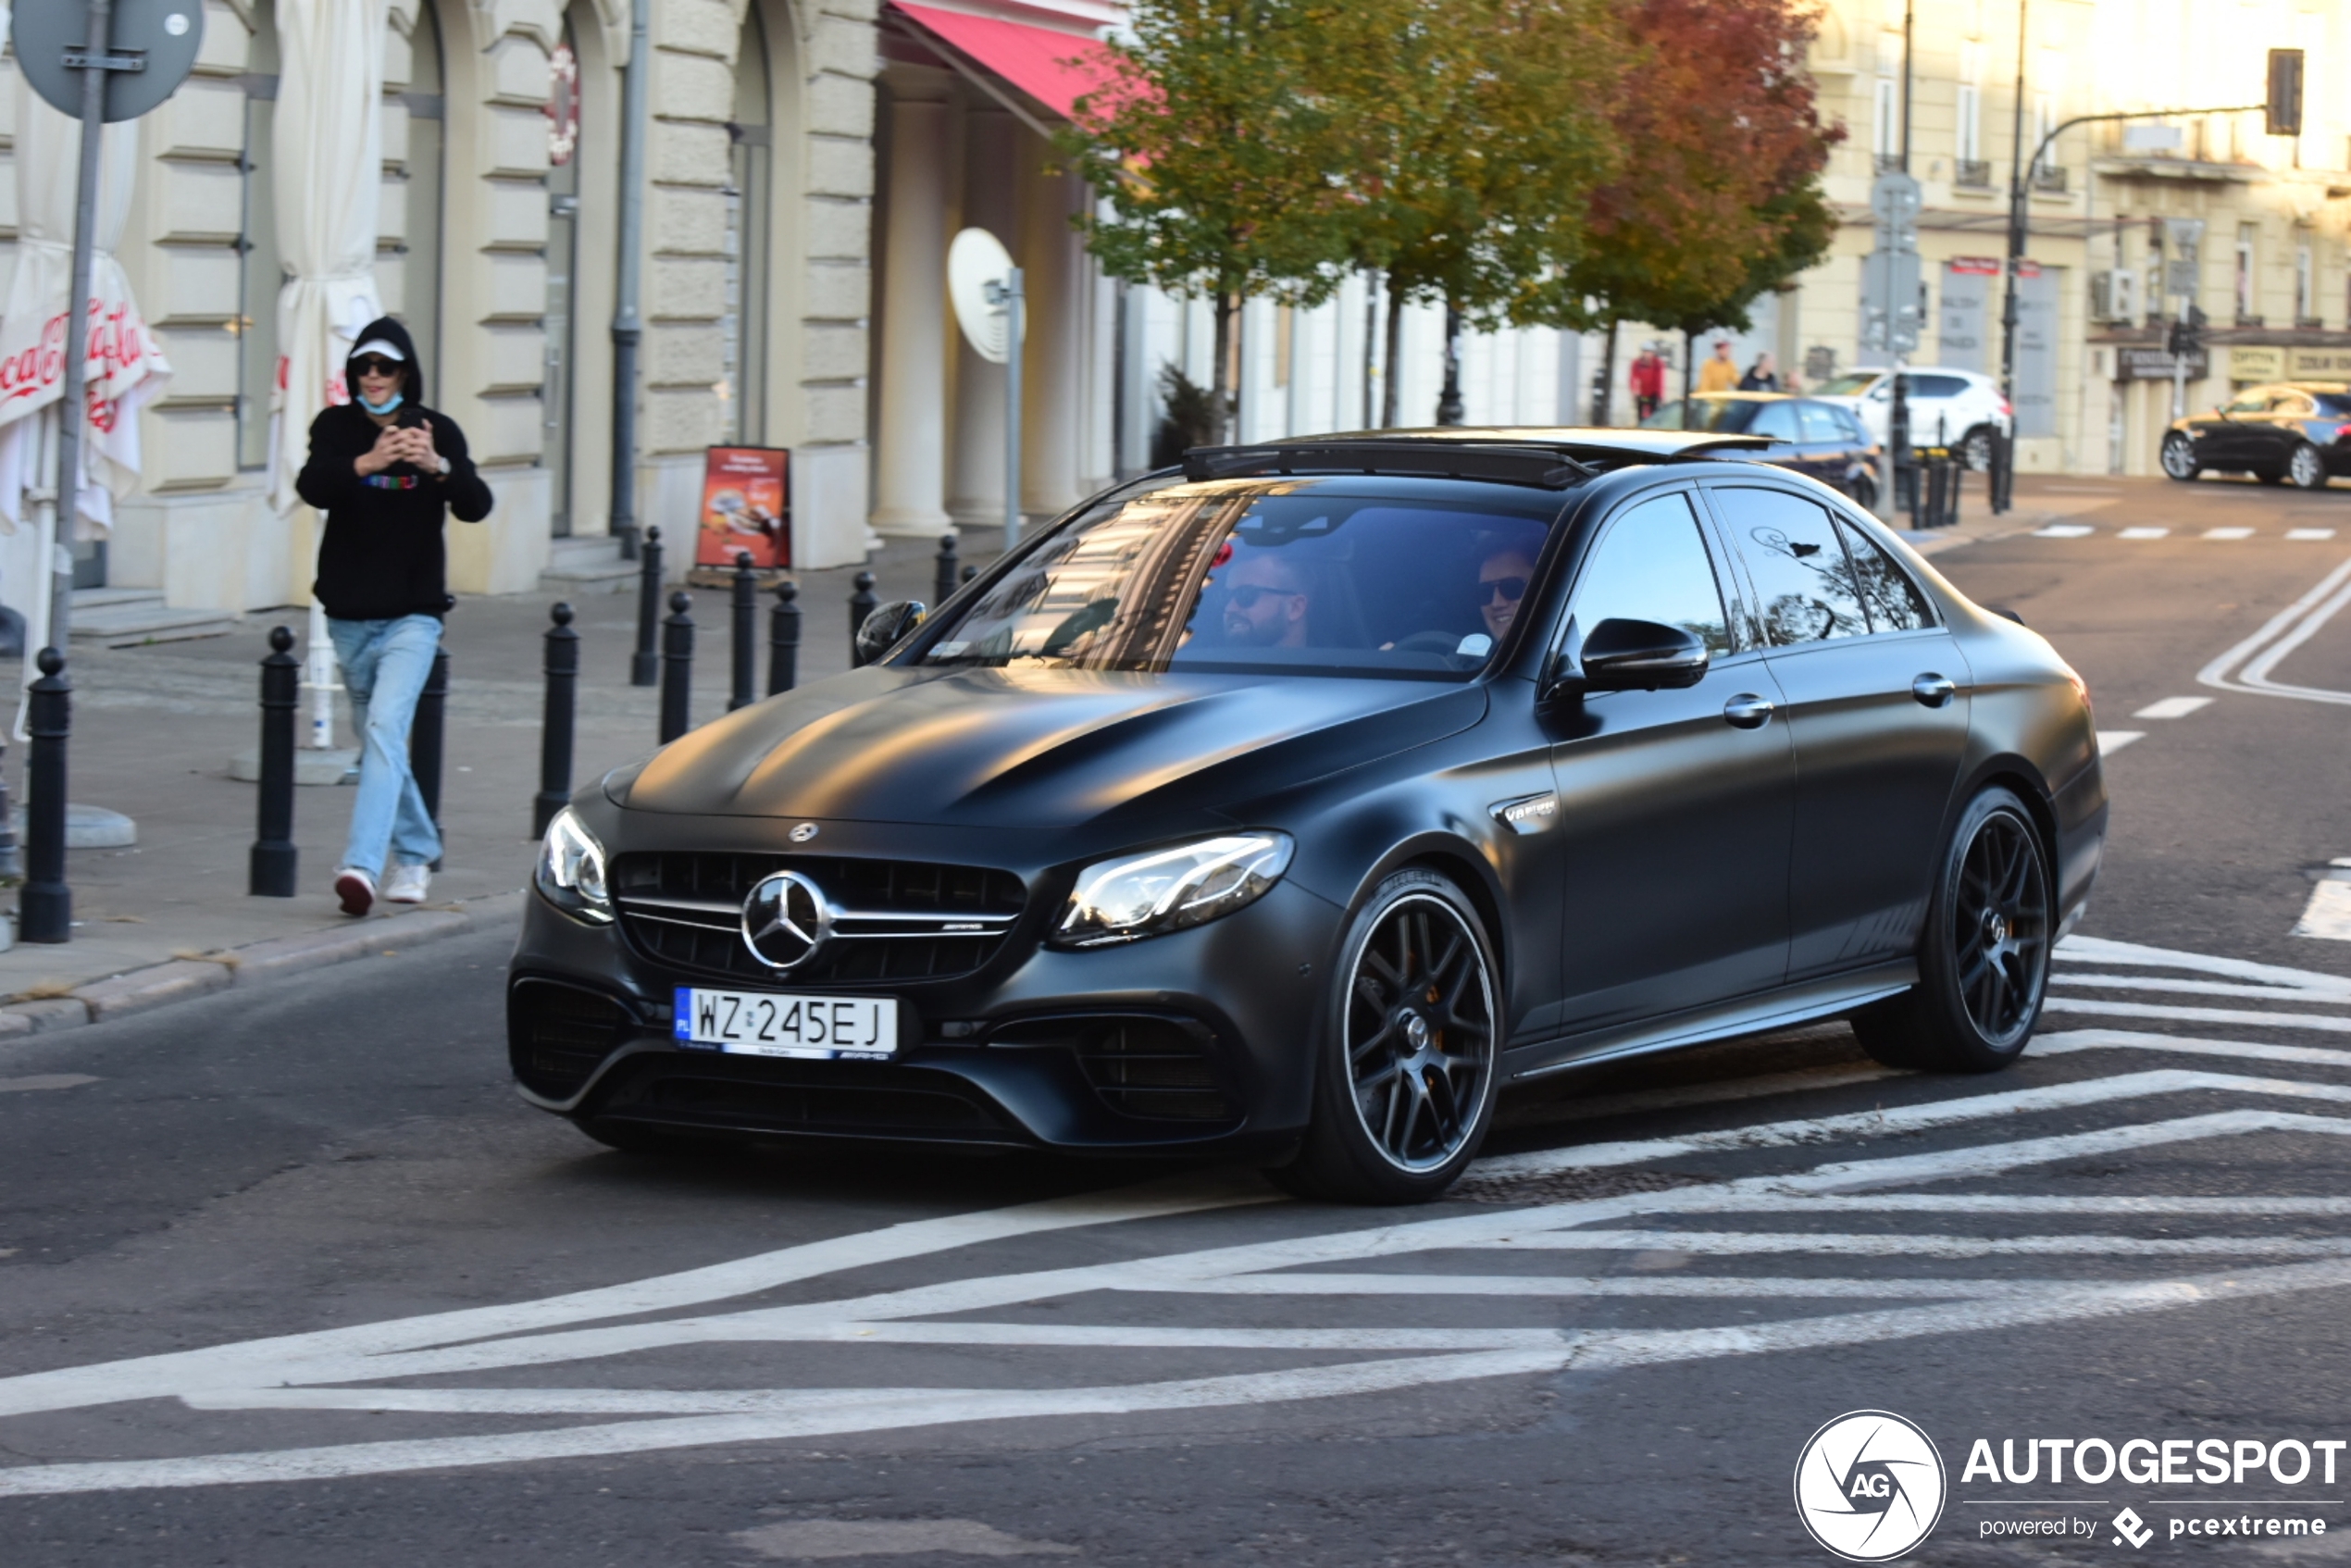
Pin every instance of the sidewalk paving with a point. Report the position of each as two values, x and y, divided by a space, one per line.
154 728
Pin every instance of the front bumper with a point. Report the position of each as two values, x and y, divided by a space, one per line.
1200 1039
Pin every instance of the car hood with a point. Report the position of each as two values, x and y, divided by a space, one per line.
1024 748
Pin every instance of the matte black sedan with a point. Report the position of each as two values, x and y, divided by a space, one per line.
1290 807
1807 436
2296 433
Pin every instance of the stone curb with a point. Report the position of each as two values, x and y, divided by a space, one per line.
159 985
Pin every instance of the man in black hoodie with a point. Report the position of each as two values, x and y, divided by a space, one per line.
385 469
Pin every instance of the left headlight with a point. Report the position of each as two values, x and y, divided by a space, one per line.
571 870
1144 895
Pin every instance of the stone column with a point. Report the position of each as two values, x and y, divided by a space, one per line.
975 478
1050 411
910 470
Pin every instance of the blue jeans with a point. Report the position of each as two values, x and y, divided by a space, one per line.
385 664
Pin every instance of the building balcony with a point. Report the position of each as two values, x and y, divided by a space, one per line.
1972 174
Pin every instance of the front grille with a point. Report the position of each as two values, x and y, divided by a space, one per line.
556 1034
684 909
842 1100
1157 1068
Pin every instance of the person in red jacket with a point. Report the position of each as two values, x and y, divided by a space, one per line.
1646 378
386 470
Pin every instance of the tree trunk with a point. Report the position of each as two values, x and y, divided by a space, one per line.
1604 392
1221 370
1395 344
1689 364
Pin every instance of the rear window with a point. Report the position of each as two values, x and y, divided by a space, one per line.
1937 386
1348 578
1853 383
1724 416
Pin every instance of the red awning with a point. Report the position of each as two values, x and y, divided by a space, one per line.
1031 58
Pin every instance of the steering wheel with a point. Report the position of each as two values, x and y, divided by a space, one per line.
1429 643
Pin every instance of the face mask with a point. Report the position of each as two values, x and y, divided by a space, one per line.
386 406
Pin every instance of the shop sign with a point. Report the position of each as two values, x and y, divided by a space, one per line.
2252 362
2155 365
745 505
2320 363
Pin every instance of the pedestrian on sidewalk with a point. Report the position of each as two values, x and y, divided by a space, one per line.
1647 379
1761 376
1719 374
386 470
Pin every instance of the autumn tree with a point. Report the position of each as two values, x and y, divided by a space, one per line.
1719 200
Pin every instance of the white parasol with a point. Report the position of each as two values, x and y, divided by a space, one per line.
328 139
126 367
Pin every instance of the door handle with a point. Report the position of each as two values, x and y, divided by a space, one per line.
1932 691
1747 710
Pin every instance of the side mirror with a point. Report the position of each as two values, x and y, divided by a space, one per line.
1628 655
886 626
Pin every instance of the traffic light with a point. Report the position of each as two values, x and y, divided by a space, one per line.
2285 92
2186 336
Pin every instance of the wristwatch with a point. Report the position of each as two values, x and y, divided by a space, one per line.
444 464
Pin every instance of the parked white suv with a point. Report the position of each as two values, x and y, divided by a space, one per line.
1964 406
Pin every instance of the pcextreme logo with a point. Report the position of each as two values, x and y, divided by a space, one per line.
1870 1485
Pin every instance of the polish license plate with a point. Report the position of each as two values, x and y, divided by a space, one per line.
818 1028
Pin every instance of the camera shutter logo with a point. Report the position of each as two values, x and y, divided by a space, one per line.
1870 1485
786 919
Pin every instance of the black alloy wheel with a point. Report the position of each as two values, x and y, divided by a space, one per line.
1406 1080
2306 468
1975 449
1984 962
2179 457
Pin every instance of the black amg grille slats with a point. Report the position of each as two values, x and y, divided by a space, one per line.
683 908
1158 1068
561 1035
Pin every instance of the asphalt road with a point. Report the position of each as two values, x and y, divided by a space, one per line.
290 1277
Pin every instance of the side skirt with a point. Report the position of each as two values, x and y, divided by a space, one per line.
1759 1014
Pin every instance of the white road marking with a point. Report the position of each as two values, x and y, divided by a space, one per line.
2173 707
2185 1045
1670 1287
2194 988
2310 533
2113 741
2102 949
2143 534
2328 1023
2064 530
2228 533
2258 655
2328 914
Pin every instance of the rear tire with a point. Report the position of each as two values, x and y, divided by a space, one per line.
2306 468
1406 1074
2178 457
1983 960
1975 449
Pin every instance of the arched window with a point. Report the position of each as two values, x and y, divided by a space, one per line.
415 86
744 332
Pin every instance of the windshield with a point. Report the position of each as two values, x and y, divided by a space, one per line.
1853 383
1351 577
1725 416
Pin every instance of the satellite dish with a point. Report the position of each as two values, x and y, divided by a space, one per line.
976 267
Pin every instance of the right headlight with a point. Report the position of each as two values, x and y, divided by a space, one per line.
571 870
1144 895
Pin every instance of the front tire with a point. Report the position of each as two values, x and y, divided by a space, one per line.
1984 961
1407 1071
1975 449
2305 469
2178 457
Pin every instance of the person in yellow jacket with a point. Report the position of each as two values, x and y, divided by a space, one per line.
1718 374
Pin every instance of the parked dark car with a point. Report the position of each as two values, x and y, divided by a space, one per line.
1826 441
2296 433
1289 806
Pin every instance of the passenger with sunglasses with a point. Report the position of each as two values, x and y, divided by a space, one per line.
387 472
1266 602
1501 583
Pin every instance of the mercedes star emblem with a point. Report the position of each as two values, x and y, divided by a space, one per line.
785 919
802 833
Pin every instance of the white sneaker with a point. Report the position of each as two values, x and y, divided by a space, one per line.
356 889
407 883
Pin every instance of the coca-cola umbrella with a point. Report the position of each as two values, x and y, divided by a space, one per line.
126 369
329 169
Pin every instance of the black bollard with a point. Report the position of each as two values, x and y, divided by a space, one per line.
644 668
554 729
969 573
745 647
424 735
783 639
45 909
862 602
272 867
942 582
677 668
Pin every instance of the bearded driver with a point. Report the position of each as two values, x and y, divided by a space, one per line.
386 470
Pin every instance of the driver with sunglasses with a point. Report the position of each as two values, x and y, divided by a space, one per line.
387 472
1501 583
